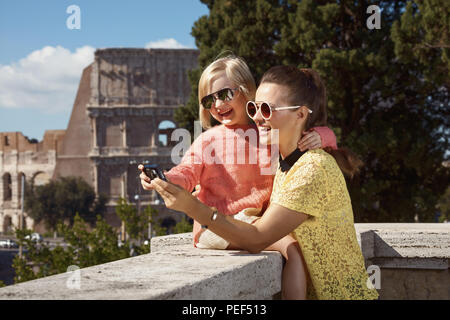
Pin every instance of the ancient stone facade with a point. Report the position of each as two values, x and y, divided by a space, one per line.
123 116
21 157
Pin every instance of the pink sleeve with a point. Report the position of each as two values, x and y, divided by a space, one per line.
187 173
327 136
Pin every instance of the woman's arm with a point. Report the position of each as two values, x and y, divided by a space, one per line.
276 222
317 137
187 173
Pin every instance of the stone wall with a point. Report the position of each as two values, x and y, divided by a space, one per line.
123 114
21 157
125 99
413 261
413 258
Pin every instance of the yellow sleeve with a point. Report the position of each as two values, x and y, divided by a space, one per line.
305 190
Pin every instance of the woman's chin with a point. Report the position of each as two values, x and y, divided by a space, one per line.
229 121
265 137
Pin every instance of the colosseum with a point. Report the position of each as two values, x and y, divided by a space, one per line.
123 114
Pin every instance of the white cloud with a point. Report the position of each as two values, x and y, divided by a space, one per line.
47 79
165 44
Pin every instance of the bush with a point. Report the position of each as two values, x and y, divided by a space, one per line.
85 246
183 226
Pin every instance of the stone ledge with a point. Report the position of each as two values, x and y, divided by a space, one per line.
414 256
419 245
170 241
184 273
405 245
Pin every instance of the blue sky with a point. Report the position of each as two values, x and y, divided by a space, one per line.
41 59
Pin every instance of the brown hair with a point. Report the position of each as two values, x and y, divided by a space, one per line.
306 88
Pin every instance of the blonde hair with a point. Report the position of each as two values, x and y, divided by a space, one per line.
236 71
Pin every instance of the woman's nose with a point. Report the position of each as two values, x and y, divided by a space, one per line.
258 117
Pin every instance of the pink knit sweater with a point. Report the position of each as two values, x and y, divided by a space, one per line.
229 181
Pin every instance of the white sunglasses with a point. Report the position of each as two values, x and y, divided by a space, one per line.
266 109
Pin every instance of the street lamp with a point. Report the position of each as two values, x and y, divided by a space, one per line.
124 195
22 196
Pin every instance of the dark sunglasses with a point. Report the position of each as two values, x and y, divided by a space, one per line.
266 109
225 94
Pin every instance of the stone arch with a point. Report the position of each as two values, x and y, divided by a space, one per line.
40 178
7 224
7 187
165 129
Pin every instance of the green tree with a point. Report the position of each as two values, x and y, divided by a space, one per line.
84 247
136 225
183 226
422 37
444 206
245 28
62 199
186 115
158 229
386 103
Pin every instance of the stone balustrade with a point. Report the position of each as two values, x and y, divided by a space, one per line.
413 262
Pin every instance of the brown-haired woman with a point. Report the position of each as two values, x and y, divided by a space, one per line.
309 197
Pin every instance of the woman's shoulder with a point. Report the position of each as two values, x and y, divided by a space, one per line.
310 166
317 157
317 164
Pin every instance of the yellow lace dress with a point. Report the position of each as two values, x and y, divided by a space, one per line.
314 185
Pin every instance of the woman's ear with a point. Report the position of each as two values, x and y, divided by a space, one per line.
302 113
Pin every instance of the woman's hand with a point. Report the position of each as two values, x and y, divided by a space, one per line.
175 197
145 181
310 140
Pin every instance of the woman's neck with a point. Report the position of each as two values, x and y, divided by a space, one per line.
289 142
287 148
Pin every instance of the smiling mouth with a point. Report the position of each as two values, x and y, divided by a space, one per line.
264 129
226 113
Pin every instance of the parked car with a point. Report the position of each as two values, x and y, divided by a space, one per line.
35 237
8 243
